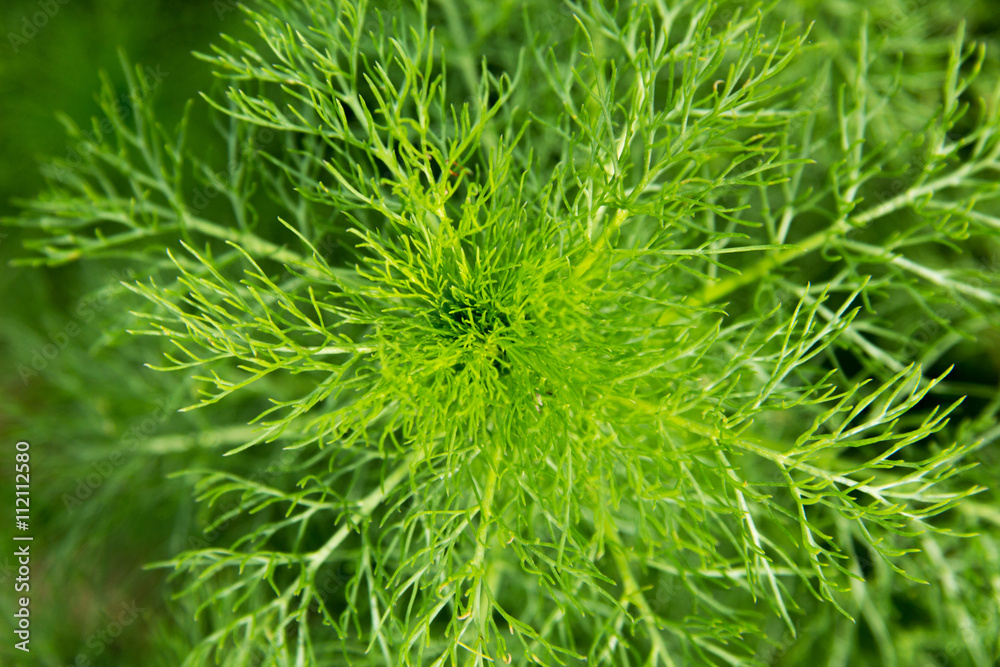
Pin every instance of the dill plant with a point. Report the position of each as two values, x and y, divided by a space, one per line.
569 333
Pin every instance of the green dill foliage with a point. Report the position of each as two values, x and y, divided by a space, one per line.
574 333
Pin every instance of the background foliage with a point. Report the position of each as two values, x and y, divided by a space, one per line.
108 437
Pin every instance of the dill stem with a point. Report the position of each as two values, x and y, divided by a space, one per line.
633 594
249 241
716 291
365 508
466 64
601 244
479 601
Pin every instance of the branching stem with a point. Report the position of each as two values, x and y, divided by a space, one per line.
633 594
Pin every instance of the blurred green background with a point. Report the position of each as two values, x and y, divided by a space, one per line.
91 601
